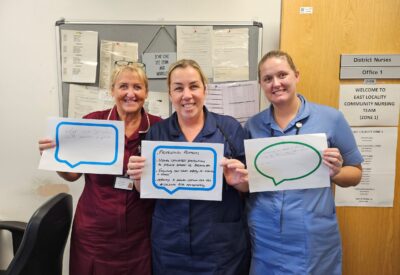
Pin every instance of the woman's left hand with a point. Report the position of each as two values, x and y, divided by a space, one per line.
236 174
333 159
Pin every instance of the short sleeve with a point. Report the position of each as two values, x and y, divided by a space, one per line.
344 140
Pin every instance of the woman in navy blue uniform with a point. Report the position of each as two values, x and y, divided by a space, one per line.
193 236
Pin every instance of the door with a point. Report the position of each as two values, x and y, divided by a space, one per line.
370 236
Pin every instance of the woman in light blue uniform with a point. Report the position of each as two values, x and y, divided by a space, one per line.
296 231
196 236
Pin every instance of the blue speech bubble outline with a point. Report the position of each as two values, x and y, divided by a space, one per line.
288 142
85 162
183 188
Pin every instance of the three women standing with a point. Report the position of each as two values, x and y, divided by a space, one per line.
292 232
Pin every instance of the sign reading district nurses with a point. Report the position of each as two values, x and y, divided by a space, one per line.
85 146
182 170
286 163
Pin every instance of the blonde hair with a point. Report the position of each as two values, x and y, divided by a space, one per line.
277 54
133 68
184 63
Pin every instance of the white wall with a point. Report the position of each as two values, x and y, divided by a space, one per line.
28 79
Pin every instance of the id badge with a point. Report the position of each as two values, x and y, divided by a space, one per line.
124 183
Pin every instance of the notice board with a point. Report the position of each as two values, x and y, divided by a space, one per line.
152 37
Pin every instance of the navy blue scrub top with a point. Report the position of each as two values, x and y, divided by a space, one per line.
207 236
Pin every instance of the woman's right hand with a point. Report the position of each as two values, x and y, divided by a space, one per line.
135 169
46 143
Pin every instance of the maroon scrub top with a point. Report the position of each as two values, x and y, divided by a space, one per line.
111 230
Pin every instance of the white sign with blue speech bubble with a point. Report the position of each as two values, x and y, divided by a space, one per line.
85 146
286 163
182 170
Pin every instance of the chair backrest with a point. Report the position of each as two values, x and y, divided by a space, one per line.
42 247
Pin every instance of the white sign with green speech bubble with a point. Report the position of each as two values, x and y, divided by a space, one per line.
286 163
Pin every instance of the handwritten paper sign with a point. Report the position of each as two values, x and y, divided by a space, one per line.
182 170
285 163
85 146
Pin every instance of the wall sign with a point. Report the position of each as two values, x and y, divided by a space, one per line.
386 66
370 105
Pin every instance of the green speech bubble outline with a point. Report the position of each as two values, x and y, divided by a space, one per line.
287 142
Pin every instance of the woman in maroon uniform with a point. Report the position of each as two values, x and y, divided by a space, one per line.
111 230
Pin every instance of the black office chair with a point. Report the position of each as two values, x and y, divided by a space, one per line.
39 244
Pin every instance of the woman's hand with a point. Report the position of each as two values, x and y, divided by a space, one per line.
344 176
46 143
333 159
135 169
236 174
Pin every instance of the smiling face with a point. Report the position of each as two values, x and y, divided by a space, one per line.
278 80
129 90
187 93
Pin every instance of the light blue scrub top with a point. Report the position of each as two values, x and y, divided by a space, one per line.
296 231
